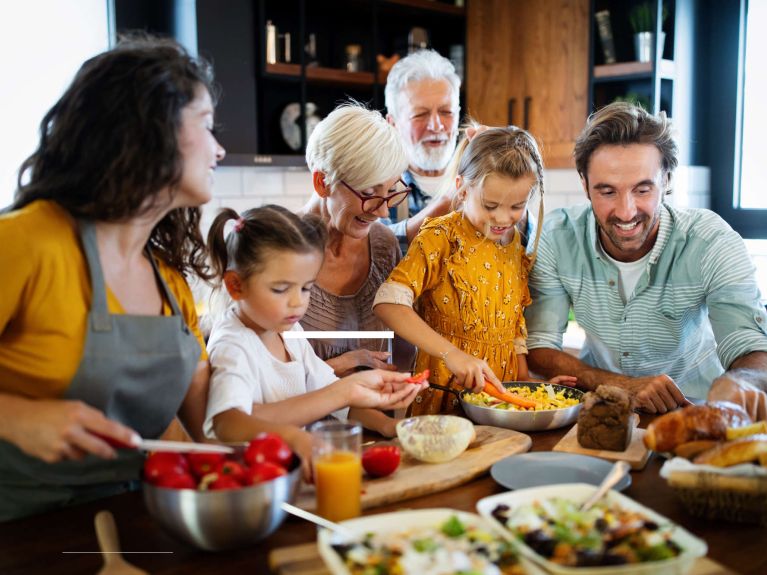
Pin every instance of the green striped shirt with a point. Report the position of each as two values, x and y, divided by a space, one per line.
695 309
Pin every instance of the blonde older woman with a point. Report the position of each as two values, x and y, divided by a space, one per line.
356 159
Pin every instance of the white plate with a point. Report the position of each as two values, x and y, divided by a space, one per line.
691 545
390 523
552 467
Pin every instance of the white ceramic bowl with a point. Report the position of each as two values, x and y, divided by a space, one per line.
578 492
385 523
435 438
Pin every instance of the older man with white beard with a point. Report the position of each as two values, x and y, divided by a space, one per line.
422 101
422 93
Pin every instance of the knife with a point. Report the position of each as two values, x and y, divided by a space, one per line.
162 445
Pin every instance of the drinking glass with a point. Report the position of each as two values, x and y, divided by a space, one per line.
336 453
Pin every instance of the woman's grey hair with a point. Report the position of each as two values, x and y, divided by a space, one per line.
421 65
356 145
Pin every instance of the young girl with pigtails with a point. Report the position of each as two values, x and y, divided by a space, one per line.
260 380
466 273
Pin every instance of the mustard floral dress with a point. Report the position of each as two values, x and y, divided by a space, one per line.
470 290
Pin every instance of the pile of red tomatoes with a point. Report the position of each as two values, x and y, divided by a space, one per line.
265 458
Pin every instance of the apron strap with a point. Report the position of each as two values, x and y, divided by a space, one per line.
99 309
100 315
168 294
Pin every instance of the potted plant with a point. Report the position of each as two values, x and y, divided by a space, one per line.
642 18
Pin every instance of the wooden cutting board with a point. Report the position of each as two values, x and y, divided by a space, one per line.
414 478
305 560
635 455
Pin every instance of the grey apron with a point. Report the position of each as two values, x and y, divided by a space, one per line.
136 369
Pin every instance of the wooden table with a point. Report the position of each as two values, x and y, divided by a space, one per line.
43 544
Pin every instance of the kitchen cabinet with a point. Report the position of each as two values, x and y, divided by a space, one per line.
528 65
285 64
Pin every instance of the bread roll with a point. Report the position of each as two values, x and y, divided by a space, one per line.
692 448
743 450
694 423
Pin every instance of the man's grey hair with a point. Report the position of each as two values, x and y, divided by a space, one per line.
421 65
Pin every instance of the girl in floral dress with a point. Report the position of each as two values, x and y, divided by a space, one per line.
466 273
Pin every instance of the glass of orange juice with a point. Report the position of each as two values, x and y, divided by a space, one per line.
336 451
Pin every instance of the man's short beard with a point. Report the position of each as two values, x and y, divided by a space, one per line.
431 159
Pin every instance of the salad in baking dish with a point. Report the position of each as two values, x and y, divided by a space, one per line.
606 534
445 548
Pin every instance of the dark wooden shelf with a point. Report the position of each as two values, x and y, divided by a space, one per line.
323 75
431 5
629 70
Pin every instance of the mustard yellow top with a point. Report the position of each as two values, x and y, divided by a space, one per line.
470 290
45 296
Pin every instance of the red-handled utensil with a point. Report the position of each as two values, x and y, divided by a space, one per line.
162 445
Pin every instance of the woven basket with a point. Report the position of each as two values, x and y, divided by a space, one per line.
714 496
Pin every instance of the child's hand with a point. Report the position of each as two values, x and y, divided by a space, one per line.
380 389
569 380
471 372
301 443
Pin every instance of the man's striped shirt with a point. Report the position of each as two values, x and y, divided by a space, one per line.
695 309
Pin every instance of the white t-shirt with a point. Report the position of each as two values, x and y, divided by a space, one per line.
244 372
629 274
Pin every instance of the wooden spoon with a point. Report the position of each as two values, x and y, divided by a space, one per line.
106 532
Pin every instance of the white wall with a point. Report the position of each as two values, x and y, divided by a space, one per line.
243 188
43 43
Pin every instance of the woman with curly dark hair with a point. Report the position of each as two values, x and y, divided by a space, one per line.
98 330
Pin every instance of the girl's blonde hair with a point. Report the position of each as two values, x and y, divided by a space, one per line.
356 145
510 152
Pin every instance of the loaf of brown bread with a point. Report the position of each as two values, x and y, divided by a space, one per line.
605 420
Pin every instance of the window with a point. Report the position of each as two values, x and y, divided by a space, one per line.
45 42
753 173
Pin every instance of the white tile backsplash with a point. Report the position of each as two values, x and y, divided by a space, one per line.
246 187
228 181
562 181
298 183
261 182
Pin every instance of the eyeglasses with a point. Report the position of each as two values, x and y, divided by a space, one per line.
372 203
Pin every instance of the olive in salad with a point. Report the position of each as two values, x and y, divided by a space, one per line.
450 548
606 534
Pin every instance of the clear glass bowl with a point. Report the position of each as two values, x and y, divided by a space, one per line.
435 438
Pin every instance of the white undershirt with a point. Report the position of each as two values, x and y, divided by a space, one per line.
430 185
628 273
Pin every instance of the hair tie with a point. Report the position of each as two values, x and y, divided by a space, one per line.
238 224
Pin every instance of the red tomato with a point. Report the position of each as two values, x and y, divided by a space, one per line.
217 482
419 377
266 471
381 460
268 447
161 464
176 481
203 463
233 470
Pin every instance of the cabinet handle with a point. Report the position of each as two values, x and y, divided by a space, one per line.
526 113
512 103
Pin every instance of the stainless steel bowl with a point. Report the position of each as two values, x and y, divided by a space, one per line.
216 520
523 420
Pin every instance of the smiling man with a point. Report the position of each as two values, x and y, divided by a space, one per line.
422 95
667 297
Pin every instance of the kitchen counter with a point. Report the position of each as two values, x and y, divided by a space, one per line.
64 542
